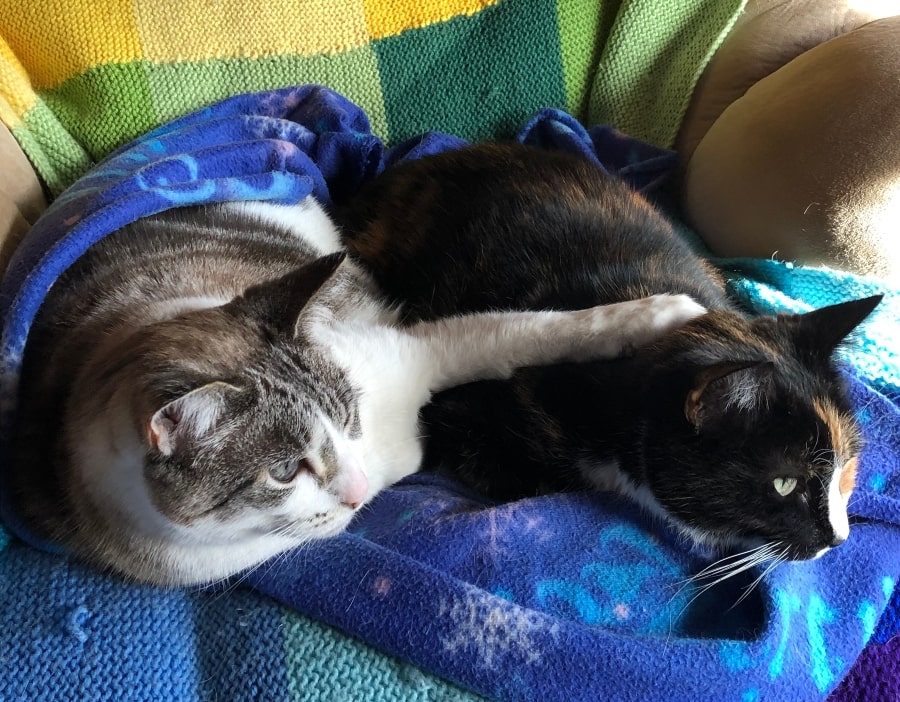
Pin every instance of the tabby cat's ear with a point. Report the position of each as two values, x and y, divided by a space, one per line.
188 418
821 330
724 388
278 303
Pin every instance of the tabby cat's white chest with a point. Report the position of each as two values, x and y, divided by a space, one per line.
392 376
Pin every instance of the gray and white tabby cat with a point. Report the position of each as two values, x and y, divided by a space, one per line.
209 387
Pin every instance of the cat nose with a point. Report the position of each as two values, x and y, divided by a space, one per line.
837 540
350 484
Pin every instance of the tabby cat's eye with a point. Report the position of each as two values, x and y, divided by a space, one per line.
784 486
286 471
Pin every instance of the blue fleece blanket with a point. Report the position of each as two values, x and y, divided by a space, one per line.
562 597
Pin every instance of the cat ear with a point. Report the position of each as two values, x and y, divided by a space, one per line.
278 303
726 387
188 418
820 331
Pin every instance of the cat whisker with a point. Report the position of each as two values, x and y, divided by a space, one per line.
732 560
731 567
778 560
821 482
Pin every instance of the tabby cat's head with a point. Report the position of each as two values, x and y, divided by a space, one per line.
750 438
218 438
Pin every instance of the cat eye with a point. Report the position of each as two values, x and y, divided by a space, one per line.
784 486
286 471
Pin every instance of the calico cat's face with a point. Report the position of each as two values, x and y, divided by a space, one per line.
225 428
750 428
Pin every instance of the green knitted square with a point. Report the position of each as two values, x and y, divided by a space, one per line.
58 159
104 107
179 88
478 76
651 61
583 28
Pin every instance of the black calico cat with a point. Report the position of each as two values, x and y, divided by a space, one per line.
734 428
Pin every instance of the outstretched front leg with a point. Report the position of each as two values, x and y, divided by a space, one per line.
399 369
492 345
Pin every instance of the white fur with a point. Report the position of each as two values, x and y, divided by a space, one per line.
608 476
109 455
167 309
744 392
306 219
394 376
837 505
399 370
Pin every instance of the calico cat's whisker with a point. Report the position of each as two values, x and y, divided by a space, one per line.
778 560
853 501
823 457
726 565
730 561
760 558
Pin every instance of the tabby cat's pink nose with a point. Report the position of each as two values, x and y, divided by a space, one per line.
351 484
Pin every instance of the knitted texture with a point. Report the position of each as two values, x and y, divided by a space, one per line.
643 87
770 287
563 597
82 77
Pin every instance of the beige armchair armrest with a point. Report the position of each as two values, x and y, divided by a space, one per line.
800 158
21 197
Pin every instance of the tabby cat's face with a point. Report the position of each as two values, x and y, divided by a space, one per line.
224 436
272 451
751 439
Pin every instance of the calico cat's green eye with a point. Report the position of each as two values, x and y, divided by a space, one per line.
286 471
784 486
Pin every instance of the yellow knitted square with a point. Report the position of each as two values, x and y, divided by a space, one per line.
15 90
57 39
386 18
222 29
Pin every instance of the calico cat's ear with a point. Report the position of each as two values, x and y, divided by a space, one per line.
821 330
278 303
726 387
189 417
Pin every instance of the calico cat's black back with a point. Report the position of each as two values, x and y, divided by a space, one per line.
535 243
734 428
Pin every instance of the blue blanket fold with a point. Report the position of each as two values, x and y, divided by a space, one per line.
561 597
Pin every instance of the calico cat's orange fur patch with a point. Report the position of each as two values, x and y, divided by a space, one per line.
844 440
848 476
843 432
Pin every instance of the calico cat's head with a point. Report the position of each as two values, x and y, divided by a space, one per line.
217 438
749 437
